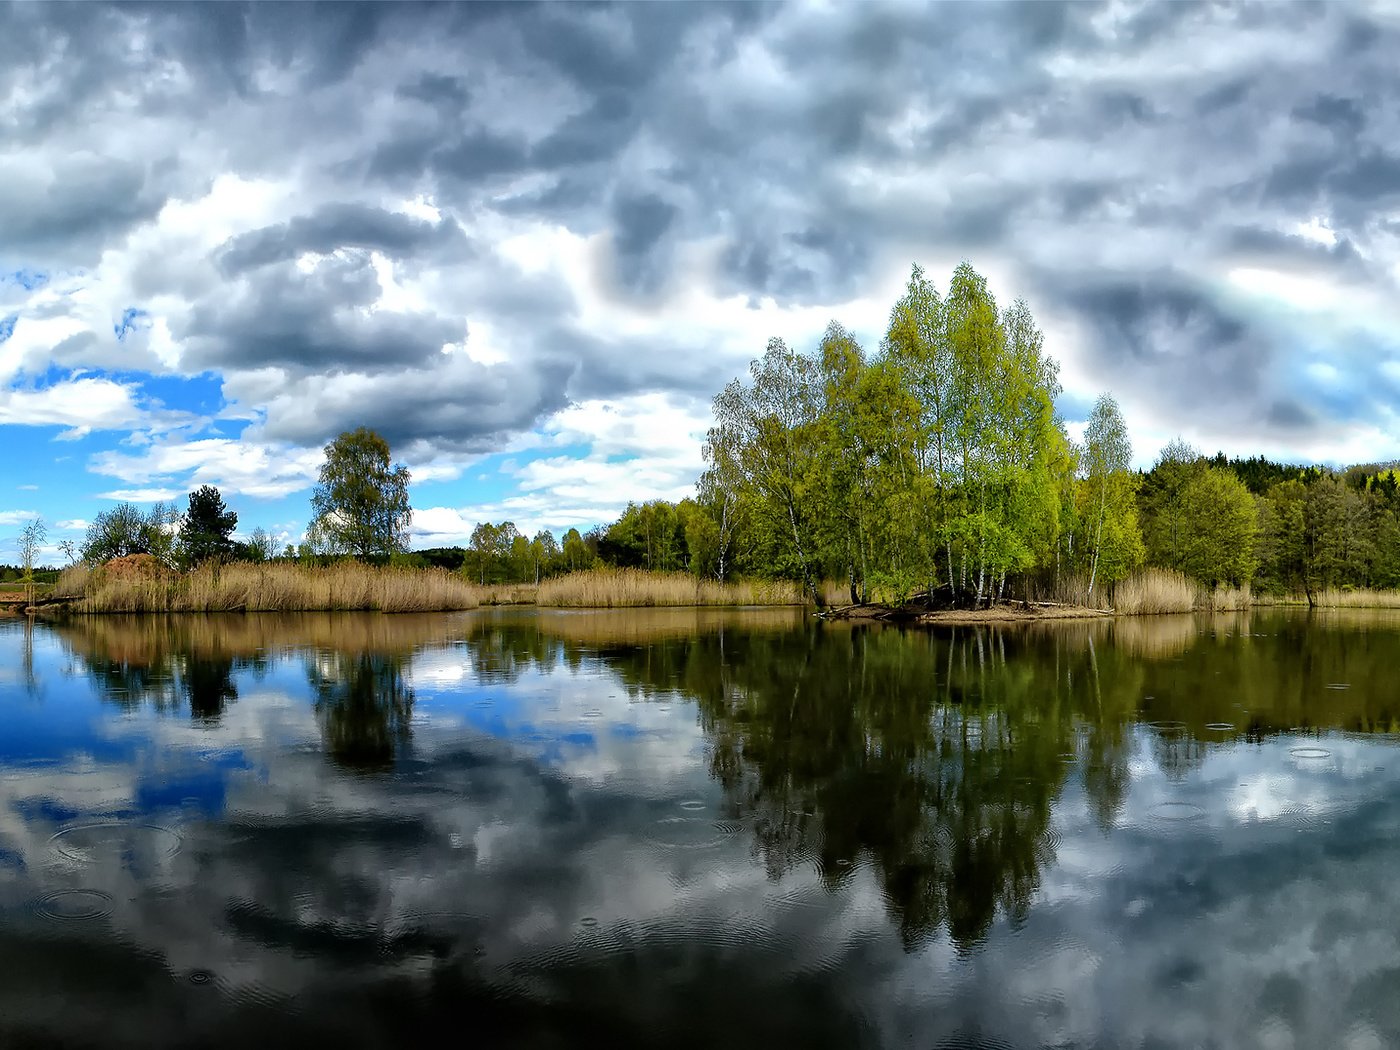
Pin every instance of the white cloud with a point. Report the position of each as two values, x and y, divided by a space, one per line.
234 467
88 401
140 495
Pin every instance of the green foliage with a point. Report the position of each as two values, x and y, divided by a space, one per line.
938 461
125 530
1113 539
1219 517
360 505
206 528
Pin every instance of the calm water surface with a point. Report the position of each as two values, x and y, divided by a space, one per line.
698 829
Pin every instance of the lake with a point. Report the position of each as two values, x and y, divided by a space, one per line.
699 828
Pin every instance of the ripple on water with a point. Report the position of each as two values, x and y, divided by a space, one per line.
116 841
692 804
1309 754
1338 685
1221 727
74 905
1176 811
1167 725
684 833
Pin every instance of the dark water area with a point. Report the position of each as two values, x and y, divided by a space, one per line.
689 828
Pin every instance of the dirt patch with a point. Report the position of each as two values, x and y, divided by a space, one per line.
132 567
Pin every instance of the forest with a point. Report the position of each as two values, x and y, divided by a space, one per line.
936 462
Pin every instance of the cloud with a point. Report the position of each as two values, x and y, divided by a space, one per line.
148 495
453 223
89 401
234 467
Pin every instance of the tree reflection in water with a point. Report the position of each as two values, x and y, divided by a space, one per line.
933 757
363 704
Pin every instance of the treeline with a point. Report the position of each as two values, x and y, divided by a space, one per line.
937 462
933 463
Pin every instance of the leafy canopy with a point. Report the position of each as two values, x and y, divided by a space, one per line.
360 505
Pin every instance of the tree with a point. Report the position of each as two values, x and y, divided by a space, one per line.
206 529
1220 520
1161 498
766 430
1107 455
30 539
260 546
360 505
124 530
575 552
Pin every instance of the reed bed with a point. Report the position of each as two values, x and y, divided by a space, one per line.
629 588
272 588
507 593
1336 598
1154 591
1225 599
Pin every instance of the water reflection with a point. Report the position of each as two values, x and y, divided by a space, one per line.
363 704
676 827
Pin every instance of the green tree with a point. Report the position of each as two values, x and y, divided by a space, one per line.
1284 564
765 431
1162 501
1219 523
125 530
360 504
576 554
206 528
260 546
1107 456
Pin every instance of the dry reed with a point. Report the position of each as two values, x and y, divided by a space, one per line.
627 588
507 593
1335 598
1154 591
273 588
1225 599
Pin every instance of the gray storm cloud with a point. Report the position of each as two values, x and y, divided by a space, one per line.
1117 160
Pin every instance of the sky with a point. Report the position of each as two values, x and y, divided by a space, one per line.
528 244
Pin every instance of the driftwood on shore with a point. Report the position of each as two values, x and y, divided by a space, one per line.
923 609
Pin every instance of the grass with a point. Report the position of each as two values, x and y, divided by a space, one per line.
1154 591
266 588
631 588
1336 598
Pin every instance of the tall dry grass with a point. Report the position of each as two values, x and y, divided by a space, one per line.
1336 598
506 593
626 588
1154 591
1225 599
272 588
